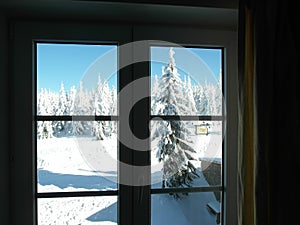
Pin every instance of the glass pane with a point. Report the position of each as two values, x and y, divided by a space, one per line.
192 209
186 81
85 210
186 153
76 155
76 79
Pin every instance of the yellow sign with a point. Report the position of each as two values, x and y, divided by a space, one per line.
201 129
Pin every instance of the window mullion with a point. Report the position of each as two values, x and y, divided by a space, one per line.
125 156
140 130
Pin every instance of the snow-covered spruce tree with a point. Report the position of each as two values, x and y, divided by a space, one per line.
98 126
191 105
196 94
59 126
83 105
103 106
203 107
107 107
45 107
154 95
173 147
114 109
71 95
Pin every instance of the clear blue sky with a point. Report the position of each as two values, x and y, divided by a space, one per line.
70 63
201 64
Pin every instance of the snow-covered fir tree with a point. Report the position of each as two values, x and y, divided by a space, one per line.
219 95
59 126
154 95
70 110
44 107
191 105
98 125
114 109
201 100
173 147
104 107
83 105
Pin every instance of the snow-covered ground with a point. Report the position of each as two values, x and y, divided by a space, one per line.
84 164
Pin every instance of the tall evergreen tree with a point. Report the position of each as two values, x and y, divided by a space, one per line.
98 126
191 105
59 126
82 106
45 107
174 148
103 106
71 95
114 109
154 95
203 101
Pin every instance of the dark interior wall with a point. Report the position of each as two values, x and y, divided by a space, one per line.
4 158
123 13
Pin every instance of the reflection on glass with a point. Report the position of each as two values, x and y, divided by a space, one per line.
76 79
76 156
86 210
180 147
192 209
186 81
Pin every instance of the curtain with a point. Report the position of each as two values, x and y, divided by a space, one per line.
269 112
246 169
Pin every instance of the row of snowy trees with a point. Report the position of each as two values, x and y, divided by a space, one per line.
102 101
201 100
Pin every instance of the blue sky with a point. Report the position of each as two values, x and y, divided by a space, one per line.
70 63
201 64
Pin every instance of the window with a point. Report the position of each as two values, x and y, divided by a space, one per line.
76 133
142 192
186 94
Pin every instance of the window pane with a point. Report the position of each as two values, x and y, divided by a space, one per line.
192 209
79 156
76 79
186 81
85 210
186 153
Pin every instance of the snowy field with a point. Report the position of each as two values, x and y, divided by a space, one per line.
84 164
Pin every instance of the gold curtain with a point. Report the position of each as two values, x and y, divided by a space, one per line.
246 164
269 109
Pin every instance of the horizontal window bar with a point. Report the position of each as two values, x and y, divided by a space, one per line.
76 194
115 118
185 190
187 118
76 118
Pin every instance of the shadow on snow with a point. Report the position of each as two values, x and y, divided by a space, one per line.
46 177
107 214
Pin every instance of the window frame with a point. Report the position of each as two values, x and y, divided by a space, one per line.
22 36
210 38
25 34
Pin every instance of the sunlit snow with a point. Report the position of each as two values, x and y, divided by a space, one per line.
82 163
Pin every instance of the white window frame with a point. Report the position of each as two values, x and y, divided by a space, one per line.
23 86
226 39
